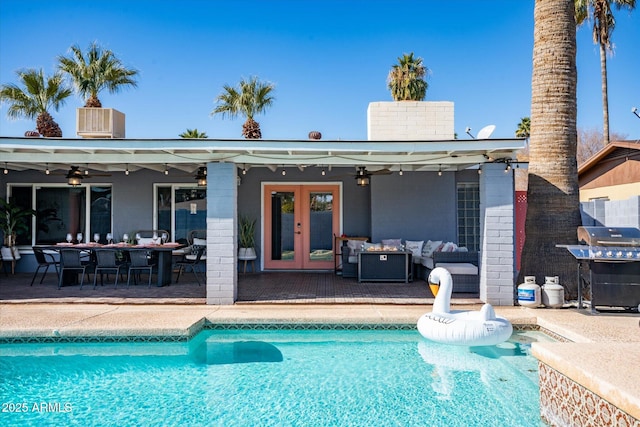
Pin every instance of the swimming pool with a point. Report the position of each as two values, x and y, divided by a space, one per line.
273 378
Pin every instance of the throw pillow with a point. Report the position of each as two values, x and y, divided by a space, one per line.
449 247
354 245
392 242
429 248
415 246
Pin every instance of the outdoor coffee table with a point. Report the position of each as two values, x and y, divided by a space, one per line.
384 266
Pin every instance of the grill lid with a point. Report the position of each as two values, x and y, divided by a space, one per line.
609 236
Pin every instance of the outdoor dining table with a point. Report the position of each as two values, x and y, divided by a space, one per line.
164 251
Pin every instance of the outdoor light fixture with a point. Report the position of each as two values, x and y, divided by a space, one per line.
6 170
634 110
46 171
201 176
74 181
323 172
439 170
126 169
86 171
479 169
74 176
468 132
400 172
362 180
244 169
284 172
166 169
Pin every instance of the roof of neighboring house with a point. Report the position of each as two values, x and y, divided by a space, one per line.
624 156
188 154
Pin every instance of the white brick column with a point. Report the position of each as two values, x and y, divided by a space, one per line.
222 206
497 237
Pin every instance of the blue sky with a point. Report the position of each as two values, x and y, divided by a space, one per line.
328 60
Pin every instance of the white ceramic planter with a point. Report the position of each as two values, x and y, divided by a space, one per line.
247 253
6 253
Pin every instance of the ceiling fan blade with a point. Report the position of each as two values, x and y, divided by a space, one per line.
384 171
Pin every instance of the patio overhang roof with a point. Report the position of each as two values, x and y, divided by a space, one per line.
188 154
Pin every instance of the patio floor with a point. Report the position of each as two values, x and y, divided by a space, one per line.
266 287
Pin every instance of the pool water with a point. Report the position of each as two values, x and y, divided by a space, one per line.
273 378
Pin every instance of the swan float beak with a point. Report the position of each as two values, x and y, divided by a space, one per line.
435 287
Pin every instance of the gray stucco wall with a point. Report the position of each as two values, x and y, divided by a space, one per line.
612 213
416 205
356 200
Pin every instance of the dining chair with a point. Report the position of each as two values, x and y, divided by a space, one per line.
71 260
139 261
44 260
106 261
191 261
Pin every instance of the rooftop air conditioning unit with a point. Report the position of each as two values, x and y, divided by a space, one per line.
99 123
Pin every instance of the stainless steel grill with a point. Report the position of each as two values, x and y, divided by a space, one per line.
609 264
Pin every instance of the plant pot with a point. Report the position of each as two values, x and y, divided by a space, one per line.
7 254
247 253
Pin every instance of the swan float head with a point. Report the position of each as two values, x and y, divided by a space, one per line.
470 328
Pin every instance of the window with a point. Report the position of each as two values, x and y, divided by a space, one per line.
469 215
63 209
180 209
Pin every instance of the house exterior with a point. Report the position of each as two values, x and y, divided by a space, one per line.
610 186
301 192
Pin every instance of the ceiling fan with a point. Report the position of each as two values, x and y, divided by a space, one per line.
363 175
75 176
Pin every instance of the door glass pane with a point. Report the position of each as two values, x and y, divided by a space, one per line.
163 204
100 216
191 211
282 226
321 226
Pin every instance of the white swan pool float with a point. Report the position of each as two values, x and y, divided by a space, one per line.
470 328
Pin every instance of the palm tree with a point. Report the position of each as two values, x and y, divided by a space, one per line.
249 99
553 207
524 128
599 11
39 94
193 134
406 80
99 70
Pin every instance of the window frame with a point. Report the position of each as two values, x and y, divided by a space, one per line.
34 186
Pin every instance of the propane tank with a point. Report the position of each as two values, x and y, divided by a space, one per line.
552 292
529 293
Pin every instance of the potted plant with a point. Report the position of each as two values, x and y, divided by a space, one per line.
246 236
13 218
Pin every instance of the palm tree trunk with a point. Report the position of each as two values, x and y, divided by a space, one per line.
605 97
553 207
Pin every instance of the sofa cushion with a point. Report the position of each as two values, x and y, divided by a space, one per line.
415 247
427 261
461 268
